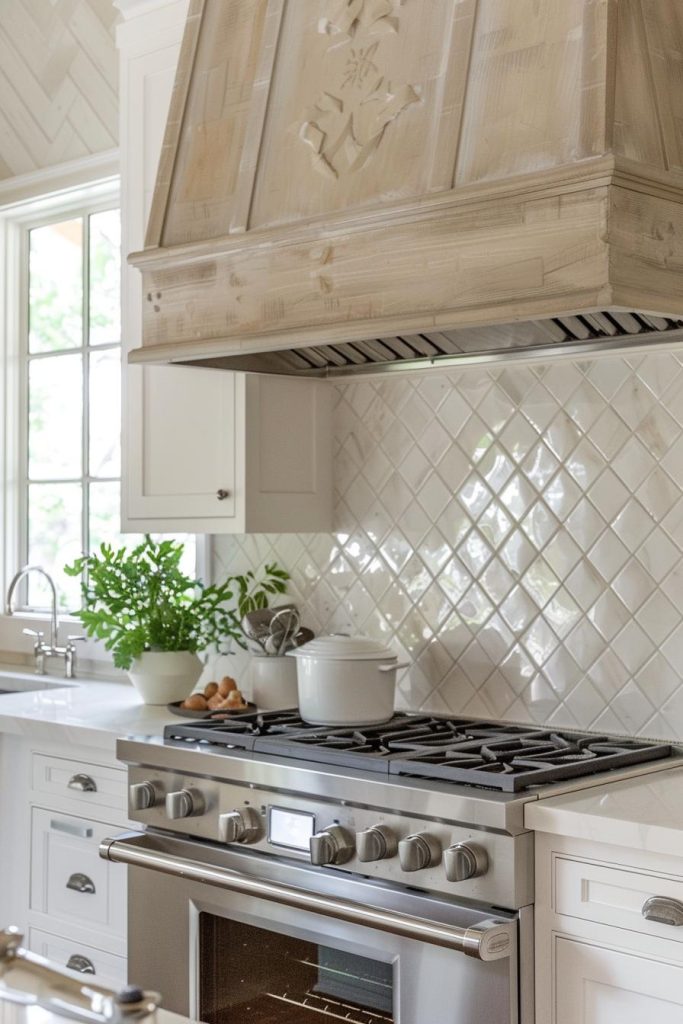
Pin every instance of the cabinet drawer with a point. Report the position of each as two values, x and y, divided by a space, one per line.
597 985
69 880
613 895
95 787
107 969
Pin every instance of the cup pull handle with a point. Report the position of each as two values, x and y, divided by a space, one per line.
81 883
663 910
80 963
83 783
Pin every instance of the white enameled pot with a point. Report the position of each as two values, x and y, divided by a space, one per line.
346 680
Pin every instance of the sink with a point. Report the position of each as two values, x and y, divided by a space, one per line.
28 682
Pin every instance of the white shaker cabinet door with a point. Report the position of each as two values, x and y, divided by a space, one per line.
204 451
596 985
178 422
182 463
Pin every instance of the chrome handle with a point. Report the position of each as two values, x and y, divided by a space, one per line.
663 910
82 831
83 783
222 494
394 668
79 882
492 939
37 633
81 964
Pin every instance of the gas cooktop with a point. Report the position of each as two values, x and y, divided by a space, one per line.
475 752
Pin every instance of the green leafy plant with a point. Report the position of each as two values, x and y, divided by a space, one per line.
140 600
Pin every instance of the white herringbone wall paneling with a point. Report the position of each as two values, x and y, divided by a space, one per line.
517 533
58 82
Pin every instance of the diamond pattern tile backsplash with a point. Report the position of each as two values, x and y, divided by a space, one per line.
516 533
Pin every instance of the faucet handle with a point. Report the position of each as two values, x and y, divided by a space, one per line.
72 638
37 633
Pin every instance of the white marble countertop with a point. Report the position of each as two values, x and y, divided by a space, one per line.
81 711
643 813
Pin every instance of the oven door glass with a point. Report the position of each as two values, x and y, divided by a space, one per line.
249 973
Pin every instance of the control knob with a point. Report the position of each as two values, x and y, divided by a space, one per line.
463 861
239 826
142 796
376 843
185 803
332 846
419 851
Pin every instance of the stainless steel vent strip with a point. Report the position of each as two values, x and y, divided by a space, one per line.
493 940
625 345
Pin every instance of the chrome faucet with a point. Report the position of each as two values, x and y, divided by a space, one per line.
42 650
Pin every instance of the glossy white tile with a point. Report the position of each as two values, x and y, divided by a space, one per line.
517 532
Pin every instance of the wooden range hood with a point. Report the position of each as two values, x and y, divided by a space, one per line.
355 184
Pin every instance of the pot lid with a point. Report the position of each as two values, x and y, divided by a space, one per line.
340 647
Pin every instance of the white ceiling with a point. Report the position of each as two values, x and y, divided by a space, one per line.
58 82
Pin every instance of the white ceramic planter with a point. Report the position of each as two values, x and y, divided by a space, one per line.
273 682
161 677
345 680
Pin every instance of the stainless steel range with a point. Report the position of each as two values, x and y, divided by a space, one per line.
289 873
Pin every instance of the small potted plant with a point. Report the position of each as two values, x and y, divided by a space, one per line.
154 618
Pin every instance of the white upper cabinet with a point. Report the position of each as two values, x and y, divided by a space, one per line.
205 451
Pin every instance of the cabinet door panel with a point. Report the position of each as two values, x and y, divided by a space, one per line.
70 883
178 433
185 448
595 985
107 969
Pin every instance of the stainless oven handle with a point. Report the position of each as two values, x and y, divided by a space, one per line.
491 940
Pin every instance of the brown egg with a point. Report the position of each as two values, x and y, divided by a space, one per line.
215 701
226 685
210 689
195 702
234 699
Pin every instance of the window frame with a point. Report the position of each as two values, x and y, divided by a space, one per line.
26 357
16 219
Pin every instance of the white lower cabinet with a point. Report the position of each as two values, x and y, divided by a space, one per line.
57 803
80 958
598 959
596 985
70 883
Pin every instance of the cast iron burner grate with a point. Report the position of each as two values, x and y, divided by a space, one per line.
476 752
532 760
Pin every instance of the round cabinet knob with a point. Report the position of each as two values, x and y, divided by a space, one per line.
142 796
463 861
376 843
419 851
333 846
186 803
239 826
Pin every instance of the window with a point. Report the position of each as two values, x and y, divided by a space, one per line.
65 370
73 373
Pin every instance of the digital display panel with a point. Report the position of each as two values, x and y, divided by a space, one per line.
291 829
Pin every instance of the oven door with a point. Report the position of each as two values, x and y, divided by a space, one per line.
228 935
